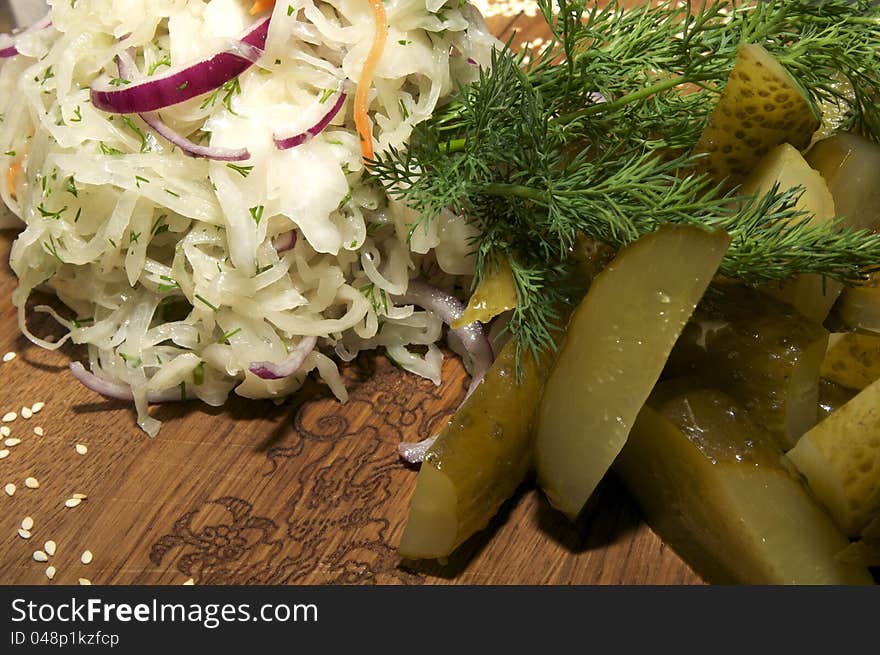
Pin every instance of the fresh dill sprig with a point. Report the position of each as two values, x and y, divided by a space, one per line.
592 136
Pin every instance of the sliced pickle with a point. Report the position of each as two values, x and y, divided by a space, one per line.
761 107
478 460
760 351
615 347
840 458
812 295
852 359
859 306
714 487
494 295
850 165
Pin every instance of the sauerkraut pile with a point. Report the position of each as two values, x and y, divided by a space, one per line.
229 241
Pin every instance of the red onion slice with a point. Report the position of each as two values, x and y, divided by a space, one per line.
272 371
449 308
284 241
173 87
10 50
128 70
117 391
298 139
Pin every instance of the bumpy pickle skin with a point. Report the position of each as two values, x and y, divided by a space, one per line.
478 460
761 107
852 359
840 458
811 295
759 350
714 487
616 344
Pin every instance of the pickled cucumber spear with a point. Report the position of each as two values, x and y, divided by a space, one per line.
762 106
713 485
840 458
615 347
759 350
477 461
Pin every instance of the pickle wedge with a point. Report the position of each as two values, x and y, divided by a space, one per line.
615 347
859 306
840 458
850 165
852 359
714 487
812 295
759 350
478 459
494 295
761 107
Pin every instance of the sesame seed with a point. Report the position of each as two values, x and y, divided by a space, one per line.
50 572
8 357
39 431
72 502
40 556
24 534
189 582
4 453
85 581
81 449
50 547
26 412
79 496
86 557
27 523
5 430
9 489
12 441
32 483
8 417
36 407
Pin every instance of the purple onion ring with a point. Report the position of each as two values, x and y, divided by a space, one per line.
286 368
298 139
117 391
11 50
178 86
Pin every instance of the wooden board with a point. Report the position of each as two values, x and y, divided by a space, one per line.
308 492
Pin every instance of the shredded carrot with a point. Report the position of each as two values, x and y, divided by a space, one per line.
361 121
260 6
11 174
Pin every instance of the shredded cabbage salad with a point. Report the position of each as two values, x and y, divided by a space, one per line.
182 274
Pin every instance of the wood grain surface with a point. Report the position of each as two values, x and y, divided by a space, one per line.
307 492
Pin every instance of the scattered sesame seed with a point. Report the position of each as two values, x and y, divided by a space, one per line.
24 534
36 407
12 441
86 557
5 430
50 572
26 412
81 449
27 523
39 431
8 417
9 489
189 582
79 496
85 581
72 502
4 453
50 547
32 483
40 556
8 357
